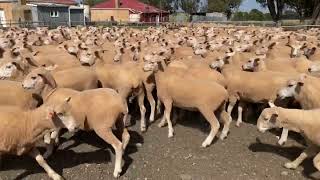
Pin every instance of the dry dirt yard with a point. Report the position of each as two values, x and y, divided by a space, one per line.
245 154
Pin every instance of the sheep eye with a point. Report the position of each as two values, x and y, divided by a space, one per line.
33 77
266 119
290 85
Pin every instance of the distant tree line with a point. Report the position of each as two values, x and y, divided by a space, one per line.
278 9
303 8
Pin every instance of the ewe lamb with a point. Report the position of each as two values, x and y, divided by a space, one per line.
20 129
305 122
204 96
104 109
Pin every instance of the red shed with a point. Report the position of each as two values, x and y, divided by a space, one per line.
144 12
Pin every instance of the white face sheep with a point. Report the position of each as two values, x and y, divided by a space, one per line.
22 129
303 121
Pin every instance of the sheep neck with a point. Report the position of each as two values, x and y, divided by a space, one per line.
293 119
39 123
47 92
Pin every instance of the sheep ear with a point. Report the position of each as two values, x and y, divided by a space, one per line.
304 45
18 66
97 54
160 66
227 59
31 62
271 104
132 48
48 79
50 111
67 99
302 79
122 50
272 45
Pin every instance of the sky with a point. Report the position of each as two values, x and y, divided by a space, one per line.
247 5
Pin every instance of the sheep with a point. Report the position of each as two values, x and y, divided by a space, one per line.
259 87
305 89
22 129
204 96
105 109
302 121
14 95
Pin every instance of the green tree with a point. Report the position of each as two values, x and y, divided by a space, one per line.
316 12
188 6
162 4
256 15
275 7
303 8
225 6
92 2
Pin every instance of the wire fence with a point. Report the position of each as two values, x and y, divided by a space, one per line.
290 25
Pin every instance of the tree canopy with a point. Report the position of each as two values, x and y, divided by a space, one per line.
224 6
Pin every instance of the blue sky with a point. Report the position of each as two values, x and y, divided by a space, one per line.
247 5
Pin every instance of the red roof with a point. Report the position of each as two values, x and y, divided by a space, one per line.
130 4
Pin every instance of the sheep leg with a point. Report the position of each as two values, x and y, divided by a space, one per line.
284 136
125 134
167 113
54 140
110 138
55 136
316 161
162 122
49 150
215 125
226 124
158 106
240 110
232 102
51 173
143 126
47 138
152 104
309 151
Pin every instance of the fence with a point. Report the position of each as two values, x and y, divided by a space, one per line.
290 25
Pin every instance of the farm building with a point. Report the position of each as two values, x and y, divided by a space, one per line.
127 11
59 12
46 12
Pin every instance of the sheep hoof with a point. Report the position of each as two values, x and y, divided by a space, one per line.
281 143
170 135
116 174
151 119
290 165
56 177
160 125
223 136
205 144
143 129
238 124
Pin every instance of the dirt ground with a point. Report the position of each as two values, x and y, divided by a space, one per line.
245 154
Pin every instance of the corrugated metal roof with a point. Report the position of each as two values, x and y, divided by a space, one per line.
130 4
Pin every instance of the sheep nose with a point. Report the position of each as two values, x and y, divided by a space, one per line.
309 69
